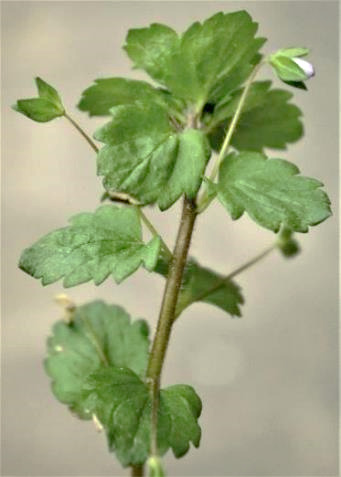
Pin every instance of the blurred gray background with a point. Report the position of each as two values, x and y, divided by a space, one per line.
269 382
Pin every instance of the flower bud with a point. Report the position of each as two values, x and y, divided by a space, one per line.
307 67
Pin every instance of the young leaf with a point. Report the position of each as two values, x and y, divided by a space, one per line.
46 107
98 336
271 192
94 246
268 120
146 158
120 400
195 65
106 93
202 284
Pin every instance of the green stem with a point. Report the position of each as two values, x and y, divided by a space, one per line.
82 132
127 199
167 312
204 201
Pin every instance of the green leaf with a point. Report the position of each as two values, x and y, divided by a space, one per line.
46 107
122 403
106 93
271 192
94 246
226 108
288 246
297 84
195 65
95 362
98 336
267 120
146 158
205 285
202 284
47 91
293 52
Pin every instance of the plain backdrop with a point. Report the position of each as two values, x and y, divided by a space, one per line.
268 381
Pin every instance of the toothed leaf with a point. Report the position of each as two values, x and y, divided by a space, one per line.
196 65
93 247
99 335
120 400
106 93
147 159
271 191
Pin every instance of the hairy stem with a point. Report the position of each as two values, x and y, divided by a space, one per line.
167 312
204 200
137 471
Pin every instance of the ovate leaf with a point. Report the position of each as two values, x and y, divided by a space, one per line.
94 246
196 66
205 285
146 158
106 93
268 120
98 336
271 191
122 403
46 107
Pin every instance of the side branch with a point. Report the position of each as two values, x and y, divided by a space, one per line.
221 282
167 312
204 200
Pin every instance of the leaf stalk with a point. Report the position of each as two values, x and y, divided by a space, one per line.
81 131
